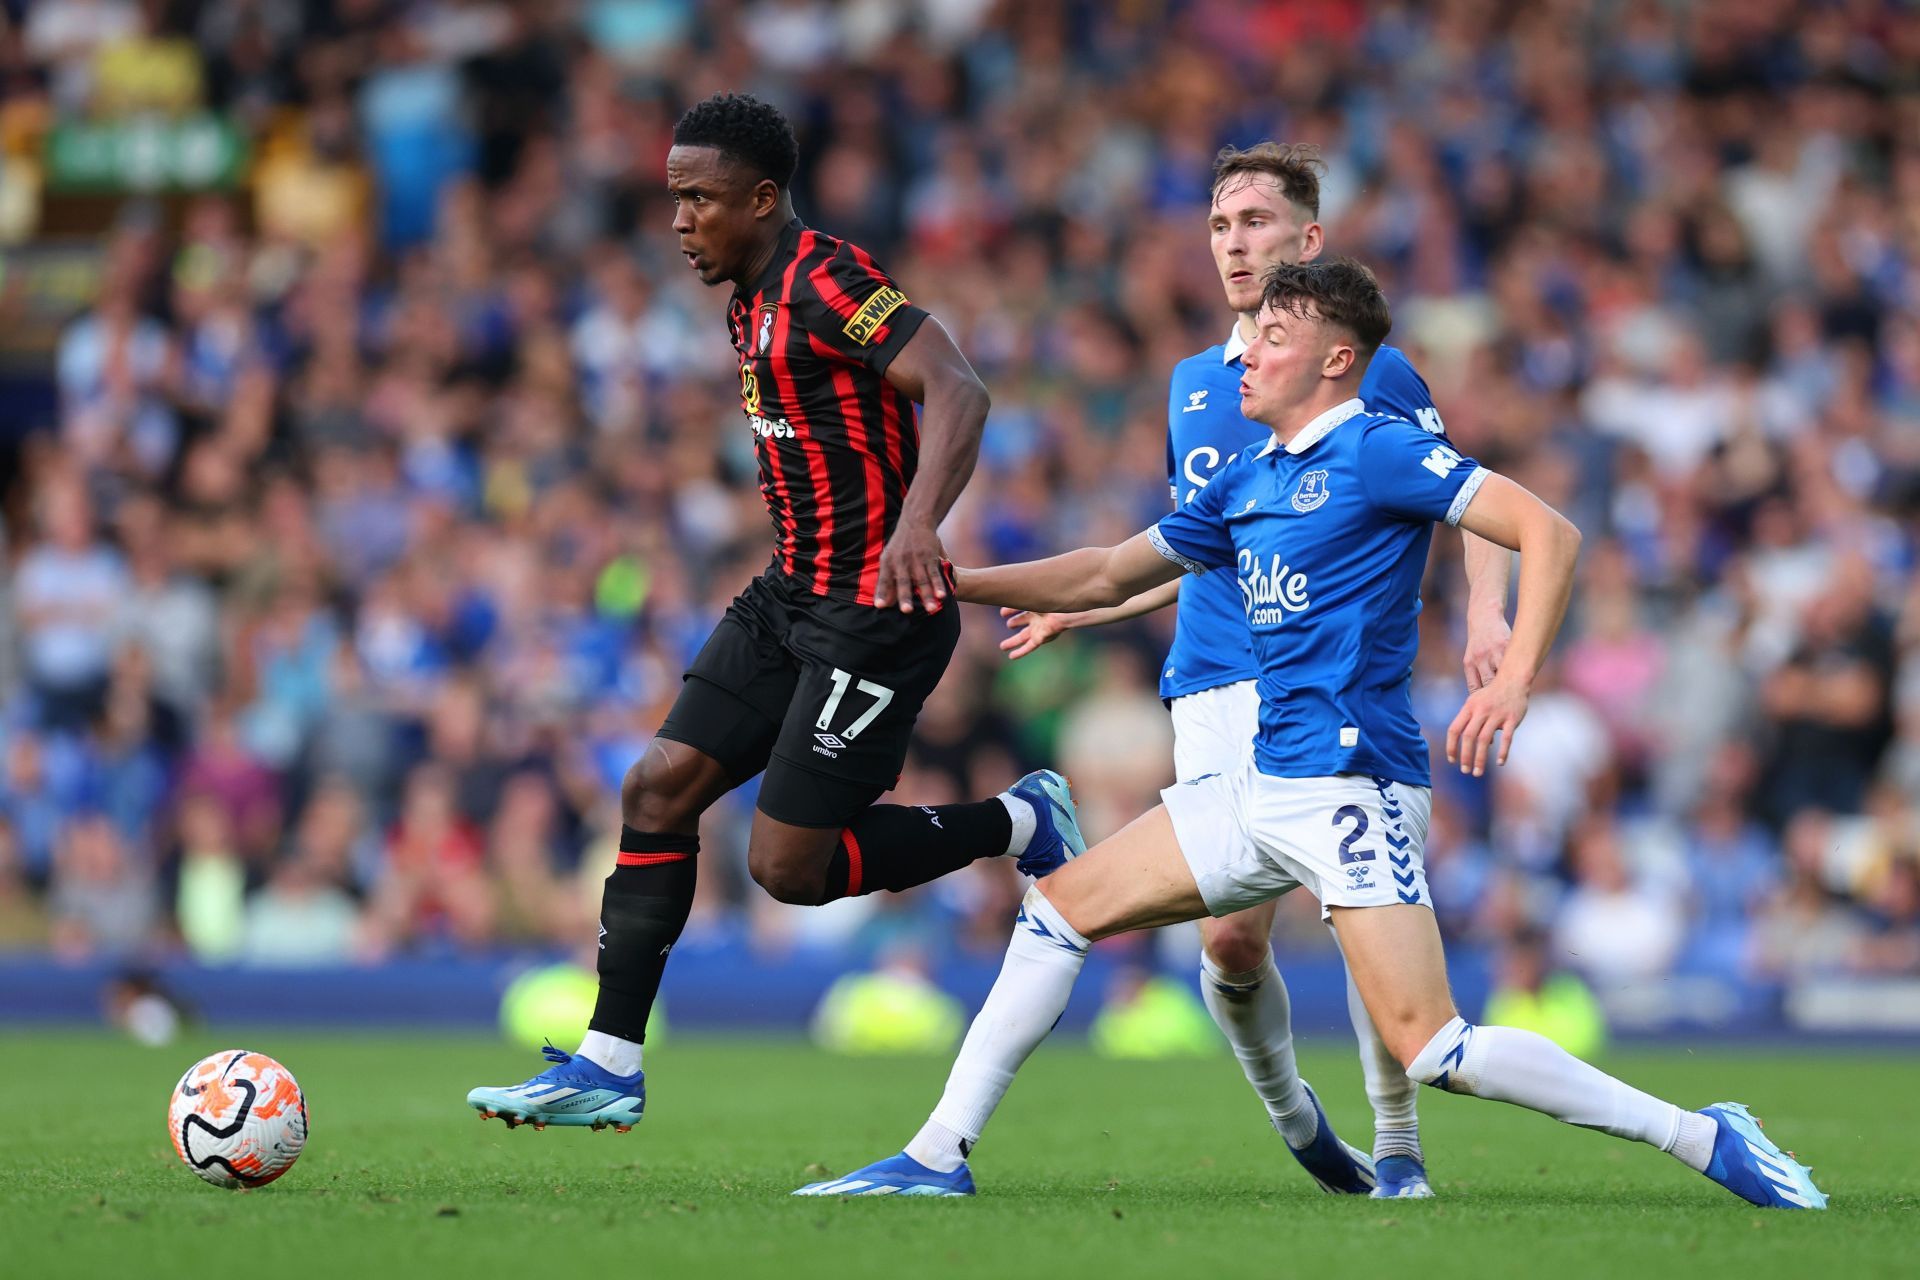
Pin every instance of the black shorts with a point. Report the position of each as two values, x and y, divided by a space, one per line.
821 694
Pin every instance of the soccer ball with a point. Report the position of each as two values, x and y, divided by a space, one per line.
238 1119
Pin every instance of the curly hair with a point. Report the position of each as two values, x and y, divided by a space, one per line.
1339 291
1294 168
746 130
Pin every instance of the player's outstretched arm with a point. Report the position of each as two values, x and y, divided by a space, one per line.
953 411
1031 630
1505 513
1090 578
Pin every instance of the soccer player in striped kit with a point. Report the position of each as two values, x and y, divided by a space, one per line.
818 670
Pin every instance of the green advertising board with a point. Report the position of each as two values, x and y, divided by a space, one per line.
146 153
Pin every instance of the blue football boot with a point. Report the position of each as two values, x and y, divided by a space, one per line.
899 1175
1056 827
1752 1166
1401 1178
1337 1167
573 1091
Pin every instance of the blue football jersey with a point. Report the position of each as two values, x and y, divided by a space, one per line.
1204 430
1327 540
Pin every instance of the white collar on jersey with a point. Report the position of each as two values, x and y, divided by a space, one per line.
1236 345
1317 430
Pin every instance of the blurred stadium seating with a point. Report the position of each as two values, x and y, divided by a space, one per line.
372 462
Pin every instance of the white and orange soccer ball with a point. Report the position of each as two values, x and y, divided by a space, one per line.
238 1118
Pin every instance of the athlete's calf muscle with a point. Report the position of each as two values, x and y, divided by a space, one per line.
1400 967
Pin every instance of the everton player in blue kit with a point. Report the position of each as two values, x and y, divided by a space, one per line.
1326 529
1263 211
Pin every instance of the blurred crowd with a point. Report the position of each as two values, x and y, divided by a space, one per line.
390 492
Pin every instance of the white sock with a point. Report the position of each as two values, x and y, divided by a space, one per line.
1693 1146
1507 1064
938 1147
1394 1095
1044 957
621 1057
1024 822
1253 1010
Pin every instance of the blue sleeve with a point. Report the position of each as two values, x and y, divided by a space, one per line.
1195 536
1175 395
1395 387
1410 474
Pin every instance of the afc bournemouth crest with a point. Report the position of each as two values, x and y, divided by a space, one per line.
762 336
1312 491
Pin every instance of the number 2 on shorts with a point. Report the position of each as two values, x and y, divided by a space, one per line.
1349 854
880 694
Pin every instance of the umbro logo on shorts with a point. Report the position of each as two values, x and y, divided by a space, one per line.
831 744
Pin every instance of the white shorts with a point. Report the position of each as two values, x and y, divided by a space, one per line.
1351 840
1213 729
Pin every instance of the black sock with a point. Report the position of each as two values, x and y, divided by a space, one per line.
642 911
897 846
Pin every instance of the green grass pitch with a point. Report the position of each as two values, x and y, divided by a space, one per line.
1092 1168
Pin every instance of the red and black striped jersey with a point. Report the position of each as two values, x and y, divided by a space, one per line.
837 442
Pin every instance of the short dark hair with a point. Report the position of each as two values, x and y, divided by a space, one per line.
1294 167
1337 290
746 130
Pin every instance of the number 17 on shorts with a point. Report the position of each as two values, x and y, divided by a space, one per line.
829 742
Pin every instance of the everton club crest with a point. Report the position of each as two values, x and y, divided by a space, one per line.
1312 491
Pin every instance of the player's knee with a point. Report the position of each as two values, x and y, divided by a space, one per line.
1237 950
786 879
658 796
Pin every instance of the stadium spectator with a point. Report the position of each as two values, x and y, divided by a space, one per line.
1616 923
299 917
101 903
67 592
211 882
23 924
